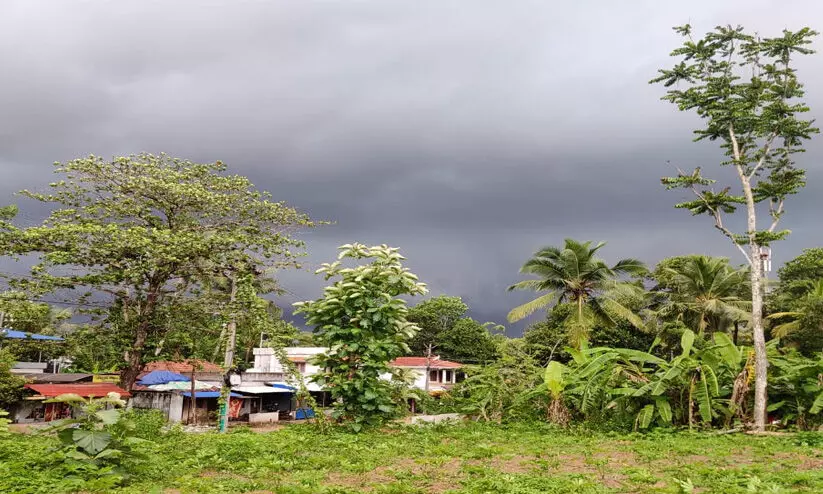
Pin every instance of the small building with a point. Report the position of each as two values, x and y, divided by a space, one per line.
432 373
33 409
171 393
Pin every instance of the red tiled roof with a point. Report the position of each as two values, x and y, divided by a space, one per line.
297 358
83 389
182 367
421 362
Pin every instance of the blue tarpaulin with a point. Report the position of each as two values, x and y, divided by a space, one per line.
20 335
161 377
303 413
283 386
210 394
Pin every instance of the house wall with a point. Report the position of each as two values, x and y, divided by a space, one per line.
171 404
265 361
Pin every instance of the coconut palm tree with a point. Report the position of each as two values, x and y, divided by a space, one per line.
812 297
706 294
574 275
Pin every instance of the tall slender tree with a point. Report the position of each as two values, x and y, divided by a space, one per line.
746 90
575 275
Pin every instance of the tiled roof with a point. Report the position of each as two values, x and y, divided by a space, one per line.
182 367
421 362
83 389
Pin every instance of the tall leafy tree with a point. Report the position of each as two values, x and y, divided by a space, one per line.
144 229
575 275
469 342
363 323
434 317
746 90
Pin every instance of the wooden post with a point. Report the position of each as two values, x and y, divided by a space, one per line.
193 401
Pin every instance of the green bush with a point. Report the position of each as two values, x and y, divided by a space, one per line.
145 423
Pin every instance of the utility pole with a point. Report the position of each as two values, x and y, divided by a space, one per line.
228 360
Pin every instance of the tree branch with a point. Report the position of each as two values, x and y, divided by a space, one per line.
776 213
762 160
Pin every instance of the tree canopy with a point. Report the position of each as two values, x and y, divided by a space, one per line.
145 229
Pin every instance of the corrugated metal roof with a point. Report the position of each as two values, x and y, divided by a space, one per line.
421 362
85 390
57 378
21 335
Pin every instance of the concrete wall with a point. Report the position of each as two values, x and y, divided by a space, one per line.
171 404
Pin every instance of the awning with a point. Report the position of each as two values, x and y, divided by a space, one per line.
181 386
260 390
314 387
210 394
20 335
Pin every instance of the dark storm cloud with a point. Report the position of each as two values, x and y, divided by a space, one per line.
468 133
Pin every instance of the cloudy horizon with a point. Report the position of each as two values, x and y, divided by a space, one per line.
469 134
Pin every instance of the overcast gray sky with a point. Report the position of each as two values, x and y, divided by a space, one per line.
467 133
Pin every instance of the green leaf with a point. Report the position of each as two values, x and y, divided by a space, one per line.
644 418
686 342
664 409
728 351
92 442
553 377
108 417
817 405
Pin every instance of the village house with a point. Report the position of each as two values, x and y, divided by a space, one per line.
432 374
168 386
32 408
435 374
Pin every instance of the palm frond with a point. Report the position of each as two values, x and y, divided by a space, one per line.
525 310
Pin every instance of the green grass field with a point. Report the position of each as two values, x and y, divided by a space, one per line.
470 458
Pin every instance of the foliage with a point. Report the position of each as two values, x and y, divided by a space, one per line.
468 341
575 275
549 339
794 275
100 437
4 423
364 325
11 385
147 229
466 458
704 292
501 391
434 317
796 306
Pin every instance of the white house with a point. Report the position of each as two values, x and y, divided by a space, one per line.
441 374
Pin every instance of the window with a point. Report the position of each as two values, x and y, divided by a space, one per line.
301 367
434 376
448 376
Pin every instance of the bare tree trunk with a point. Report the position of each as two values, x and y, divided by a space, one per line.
228 361
134 357
761 361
